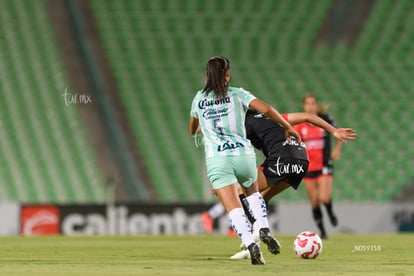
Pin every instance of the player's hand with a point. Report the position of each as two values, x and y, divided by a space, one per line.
343 134
292 132
213 192
198 130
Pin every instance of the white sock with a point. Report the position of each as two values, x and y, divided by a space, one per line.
216 210
241 225
258 207
256 228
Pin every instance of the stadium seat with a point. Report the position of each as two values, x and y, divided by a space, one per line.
46 156
158 50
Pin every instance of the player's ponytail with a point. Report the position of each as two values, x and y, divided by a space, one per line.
216 76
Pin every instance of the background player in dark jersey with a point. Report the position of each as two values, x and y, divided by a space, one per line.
318 180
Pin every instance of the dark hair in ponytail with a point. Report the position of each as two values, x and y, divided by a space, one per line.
216 76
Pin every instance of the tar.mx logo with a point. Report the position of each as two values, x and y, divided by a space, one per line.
75 98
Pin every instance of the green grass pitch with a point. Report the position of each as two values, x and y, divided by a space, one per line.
200 255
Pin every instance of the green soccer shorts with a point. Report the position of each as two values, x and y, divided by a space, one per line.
226 170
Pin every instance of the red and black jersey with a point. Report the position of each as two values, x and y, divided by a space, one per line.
318 143
327 150
269 136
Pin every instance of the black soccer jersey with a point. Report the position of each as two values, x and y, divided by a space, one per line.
269 136
327 161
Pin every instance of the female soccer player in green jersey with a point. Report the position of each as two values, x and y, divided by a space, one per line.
220 110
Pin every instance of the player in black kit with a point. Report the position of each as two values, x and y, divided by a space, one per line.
286 159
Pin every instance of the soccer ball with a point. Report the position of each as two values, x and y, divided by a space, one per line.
307 245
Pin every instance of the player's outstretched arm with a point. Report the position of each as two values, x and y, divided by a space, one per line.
194 125
342 134
336 152
273 114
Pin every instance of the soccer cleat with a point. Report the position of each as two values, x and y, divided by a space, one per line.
243 254
333 219
207 222
273 245
324 236
256 255
231 233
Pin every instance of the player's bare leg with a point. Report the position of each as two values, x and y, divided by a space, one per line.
312 190
267 189
274 190
325 190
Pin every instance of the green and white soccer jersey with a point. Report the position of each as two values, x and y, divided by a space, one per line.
222 122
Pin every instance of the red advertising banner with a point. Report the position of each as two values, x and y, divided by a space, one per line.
186 219
120 219
39 220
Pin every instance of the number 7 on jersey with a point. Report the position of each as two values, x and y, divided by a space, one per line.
218 127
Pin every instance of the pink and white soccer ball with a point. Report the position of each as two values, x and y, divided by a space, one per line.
307 245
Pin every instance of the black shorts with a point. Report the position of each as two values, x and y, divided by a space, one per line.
326 171
292 170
